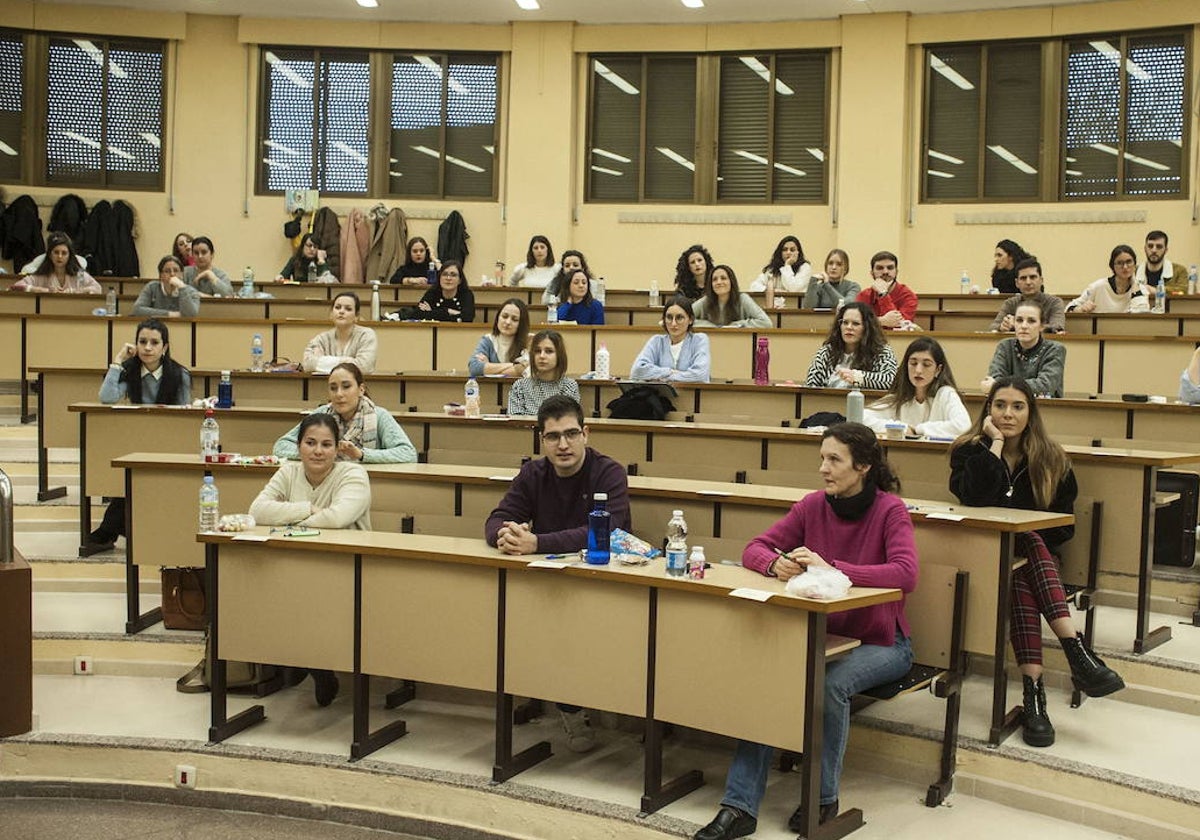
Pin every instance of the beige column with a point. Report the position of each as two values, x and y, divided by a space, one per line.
871 159
538 190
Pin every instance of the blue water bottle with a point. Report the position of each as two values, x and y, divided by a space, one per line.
225 391
598 531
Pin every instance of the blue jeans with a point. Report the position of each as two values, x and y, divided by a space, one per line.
864 667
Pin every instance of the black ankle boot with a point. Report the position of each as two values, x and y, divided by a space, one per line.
1088 671
1038 731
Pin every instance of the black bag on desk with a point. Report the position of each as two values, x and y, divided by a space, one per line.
641 402
1175 522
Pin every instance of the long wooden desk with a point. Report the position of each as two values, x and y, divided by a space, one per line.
454 500
456 612
1122 478
1095 363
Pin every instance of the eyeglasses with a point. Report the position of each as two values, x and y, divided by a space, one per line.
553 438
674 317
1123 263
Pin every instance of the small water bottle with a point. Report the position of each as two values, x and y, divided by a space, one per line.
110 301
256 353
1160 295
498 274
695 566
552 309
210 437
1192 279
677 551
471 397
375 301
599 522
603 363
762 361
312 272
210 506
225 391
600 290
854 406
247 282
964 283
654 303
431 273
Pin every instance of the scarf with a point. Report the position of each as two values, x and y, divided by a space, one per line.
361 429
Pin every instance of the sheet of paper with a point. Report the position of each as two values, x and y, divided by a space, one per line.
752 594
251 538
949 517
547 564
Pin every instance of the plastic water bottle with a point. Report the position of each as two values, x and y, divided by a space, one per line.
1160 295
603 363
110 301
312 272
210 437
498 273
854 406
654 303
256 353
677 550
375 301
471 397
600 289
431 273
599 522
225 391
762 361
965 283
1192 279
210 506
247 282
695 566
552 309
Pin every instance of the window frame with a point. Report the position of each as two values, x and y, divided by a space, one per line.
36 99
706 152
380 63
1052 162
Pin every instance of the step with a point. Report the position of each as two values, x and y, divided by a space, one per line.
154 652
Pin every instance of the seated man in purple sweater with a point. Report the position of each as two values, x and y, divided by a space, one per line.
546 509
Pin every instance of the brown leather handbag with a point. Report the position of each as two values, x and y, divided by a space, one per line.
184 602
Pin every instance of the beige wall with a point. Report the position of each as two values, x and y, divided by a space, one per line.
874 181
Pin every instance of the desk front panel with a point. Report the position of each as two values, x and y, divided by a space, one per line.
554 620
165 517
267 598
791 354
764 648
1180 425
1142 367
222 345
977 552
60 389
18 303
58 342
429 621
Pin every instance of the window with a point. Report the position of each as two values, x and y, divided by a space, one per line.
316 121
80 111
1118 101
443 126
648 128
12 93
104 113
1124 116
320 108
983 122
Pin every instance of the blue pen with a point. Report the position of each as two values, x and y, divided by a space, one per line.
555 556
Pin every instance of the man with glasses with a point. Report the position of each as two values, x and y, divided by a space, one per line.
894 304
545 510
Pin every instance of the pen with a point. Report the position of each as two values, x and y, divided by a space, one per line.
555 556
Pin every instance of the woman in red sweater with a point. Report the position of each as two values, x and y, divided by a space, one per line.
860 527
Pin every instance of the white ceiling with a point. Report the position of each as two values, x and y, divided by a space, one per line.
583 11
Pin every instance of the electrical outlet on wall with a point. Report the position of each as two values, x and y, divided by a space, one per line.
185 776
83 666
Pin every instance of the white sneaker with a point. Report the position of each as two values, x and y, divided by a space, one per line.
580 736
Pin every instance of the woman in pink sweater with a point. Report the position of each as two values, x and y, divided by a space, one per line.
860 527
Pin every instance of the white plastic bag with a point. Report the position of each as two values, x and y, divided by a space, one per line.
819 582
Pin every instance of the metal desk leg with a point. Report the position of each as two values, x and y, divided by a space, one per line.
1145 639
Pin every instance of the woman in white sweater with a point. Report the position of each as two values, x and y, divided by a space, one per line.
1119 292
318 491
539 267
924 396
788 271
346 342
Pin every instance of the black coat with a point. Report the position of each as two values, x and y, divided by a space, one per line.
125 256
21 232
452 239
68 216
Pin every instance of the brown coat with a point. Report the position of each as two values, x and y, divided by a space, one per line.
387 246
356 242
